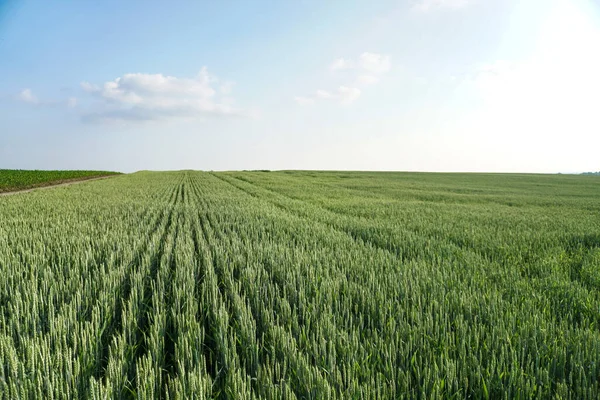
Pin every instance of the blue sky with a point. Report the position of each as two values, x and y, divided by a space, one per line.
428 85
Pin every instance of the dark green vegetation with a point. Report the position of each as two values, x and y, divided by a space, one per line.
16 179
305 285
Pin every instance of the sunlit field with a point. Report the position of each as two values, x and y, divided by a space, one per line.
302 285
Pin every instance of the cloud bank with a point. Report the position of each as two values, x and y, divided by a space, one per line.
28 97
368 68
142 97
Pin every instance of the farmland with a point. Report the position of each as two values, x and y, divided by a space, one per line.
302 285
15 179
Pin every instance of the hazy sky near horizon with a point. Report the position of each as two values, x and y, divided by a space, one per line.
427 85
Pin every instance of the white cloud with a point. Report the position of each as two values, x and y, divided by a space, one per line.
88 87
343 95
348 94
432 5
372 63
27 96
227 87
375 63
369 66
155 96
366 80
304 101
341 63
323 94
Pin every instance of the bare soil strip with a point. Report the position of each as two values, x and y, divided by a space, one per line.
55 184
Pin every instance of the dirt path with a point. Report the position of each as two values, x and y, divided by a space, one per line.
61 183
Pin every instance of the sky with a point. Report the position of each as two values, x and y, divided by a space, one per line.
403 85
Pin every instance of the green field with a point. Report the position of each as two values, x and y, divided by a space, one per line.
302 285
17 179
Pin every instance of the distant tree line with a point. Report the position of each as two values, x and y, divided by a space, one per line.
591 173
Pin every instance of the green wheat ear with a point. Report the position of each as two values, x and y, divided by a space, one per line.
300 285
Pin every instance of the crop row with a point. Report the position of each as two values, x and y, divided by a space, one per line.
14 179
303 285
